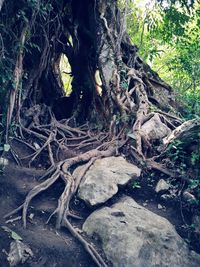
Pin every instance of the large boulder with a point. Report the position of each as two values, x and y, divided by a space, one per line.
134 236
103 178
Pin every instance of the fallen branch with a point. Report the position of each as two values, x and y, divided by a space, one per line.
187 131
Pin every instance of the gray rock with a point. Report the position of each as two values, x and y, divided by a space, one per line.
167 197
160 207
103 178
162 185
154 128
19 253
187 196
134 236
3 161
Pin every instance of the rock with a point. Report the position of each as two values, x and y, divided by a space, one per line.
162 185
19 253
102 179
154 129
187 196
166 197
160 207
145 203
164 99
131 236
3 161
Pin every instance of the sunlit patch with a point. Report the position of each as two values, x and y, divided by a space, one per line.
98 83
66 76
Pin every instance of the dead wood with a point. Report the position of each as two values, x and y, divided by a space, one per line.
186 132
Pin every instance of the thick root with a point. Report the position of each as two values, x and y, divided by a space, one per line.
71 185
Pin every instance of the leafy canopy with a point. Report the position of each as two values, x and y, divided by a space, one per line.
167 35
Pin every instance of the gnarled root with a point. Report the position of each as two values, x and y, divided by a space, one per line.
71 185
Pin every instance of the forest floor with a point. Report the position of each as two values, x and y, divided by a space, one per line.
49 246
53 247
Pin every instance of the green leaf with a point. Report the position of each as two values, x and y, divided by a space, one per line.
15 236
136 185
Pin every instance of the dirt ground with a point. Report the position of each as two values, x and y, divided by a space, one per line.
50 247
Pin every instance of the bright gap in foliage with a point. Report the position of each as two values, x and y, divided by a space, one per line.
66 75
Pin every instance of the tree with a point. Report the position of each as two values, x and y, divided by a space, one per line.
170 36
114 93
180 54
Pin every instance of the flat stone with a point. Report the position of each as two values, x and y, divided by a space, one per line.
101 181
131 236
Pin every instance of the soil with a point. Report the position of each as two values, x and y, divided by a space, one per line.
51 247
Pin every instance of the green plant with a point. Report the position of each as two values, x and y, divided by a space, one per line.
187 165
195 157
136 185
167 35
176 152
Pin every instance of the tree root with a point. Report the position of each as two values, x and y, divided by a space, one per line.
34 192
127 101
88 247
150 163
62 170
56 135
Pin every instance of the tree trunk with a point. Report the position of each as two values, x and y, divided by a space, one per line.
126 107
130 89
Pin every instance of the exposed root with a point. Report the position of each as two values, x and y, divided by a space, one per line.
84 145
88 247
62 210
62 170
46 144
34 192
150 163
87 147
159 167
128 99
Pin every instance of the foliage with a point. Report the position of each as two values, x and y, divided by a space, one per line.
167 35
16 18
187 164
136 185
182 62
